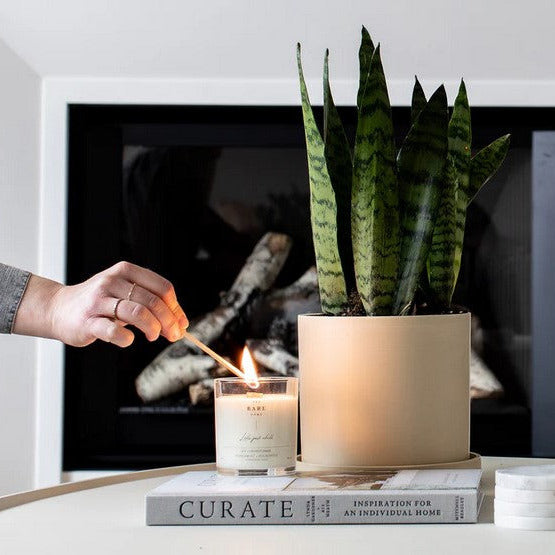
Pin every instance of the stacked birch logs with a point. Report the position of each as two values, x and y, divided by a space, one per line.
182 365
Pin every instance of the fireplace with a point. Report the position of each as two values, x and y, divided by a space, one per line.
188 191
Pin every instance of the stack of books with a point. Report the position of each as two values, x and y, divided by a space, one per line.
388 497
525 497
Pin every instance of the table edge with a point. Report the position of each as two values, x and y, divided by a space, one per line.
21 498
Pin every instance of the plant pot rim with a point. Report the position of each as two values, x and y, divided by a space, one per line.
462 314
474 460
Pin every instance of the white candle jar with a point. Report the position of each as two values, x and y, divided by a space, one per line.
256 429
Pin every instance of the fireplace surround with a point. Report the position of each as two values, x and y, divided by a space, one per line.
228 149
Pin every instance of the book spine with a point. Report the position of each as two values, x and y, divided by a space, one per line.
424 507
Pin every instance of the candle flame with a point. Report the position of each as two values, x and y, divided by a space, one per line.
249 369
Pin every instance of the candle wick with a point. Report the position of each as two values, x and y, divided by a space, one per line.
255 395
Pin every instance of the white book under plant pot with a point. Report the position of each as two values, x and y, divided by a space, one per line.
384 369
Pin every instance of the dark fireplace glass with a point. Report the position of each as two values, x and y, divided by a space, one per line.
188 191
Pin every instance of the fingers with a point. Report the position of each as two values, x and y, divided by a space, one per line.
168 324
111 332
156 284
132 313
169 327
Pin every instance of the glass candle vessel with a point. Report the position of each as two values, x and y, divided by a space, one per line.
256 429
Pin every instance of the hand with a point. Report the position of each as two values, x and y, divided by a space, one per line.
101 307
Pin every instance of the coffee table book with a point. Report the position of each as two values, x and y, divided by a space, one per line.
388 497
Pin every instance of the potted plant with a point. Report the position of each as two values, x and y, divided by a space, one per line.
384 377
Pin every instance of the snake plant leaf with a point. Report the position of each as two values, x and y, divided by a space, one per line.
460 143
365 54
446 252
485 164
340 168
420 163
459 153
418 100
323 210
443 252
375 214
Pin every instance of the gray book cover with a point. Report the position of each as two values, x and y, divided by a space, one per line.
406 496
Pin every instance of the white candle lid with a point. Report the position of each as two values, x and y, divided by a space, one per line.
527 477
524 522
508 508
524 496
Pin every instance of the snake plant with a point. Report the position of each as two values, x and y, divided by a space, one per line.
384 219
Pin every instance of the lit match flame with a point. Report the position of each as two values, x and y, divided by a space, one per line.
249 369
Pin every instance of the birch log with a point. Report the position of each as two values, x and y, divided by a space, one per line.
260 270
183 371
272 354
201 392
305 286
171 371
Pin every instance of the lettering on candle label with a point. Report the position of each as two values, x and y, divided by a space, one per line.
251 439
256 410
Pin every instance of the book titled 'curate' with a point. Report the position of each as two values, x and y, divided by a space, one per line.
405 496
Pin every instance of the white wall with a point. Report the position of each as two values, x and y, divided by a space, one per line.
19 200
438 39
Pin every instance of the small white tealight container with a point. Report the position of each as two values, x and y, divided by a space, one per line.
256 428
530 478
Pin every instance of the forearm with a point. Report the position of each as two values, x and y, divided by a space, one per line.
34 316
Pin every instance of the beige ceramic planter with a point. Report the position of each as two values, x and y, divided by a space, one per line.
384 391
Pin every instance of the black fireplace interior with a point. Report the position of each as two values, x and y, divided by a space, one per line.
188 190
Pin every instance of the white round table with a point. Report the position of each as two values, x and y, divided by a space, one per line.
106 516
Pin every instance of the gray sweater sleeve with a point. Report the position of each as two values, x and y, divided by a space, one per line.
12 286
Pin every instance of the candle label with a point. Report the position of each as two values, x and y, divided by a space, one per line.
256 433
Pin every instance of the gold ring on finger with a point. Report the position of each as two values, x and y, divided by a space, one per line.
115 311
131 291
